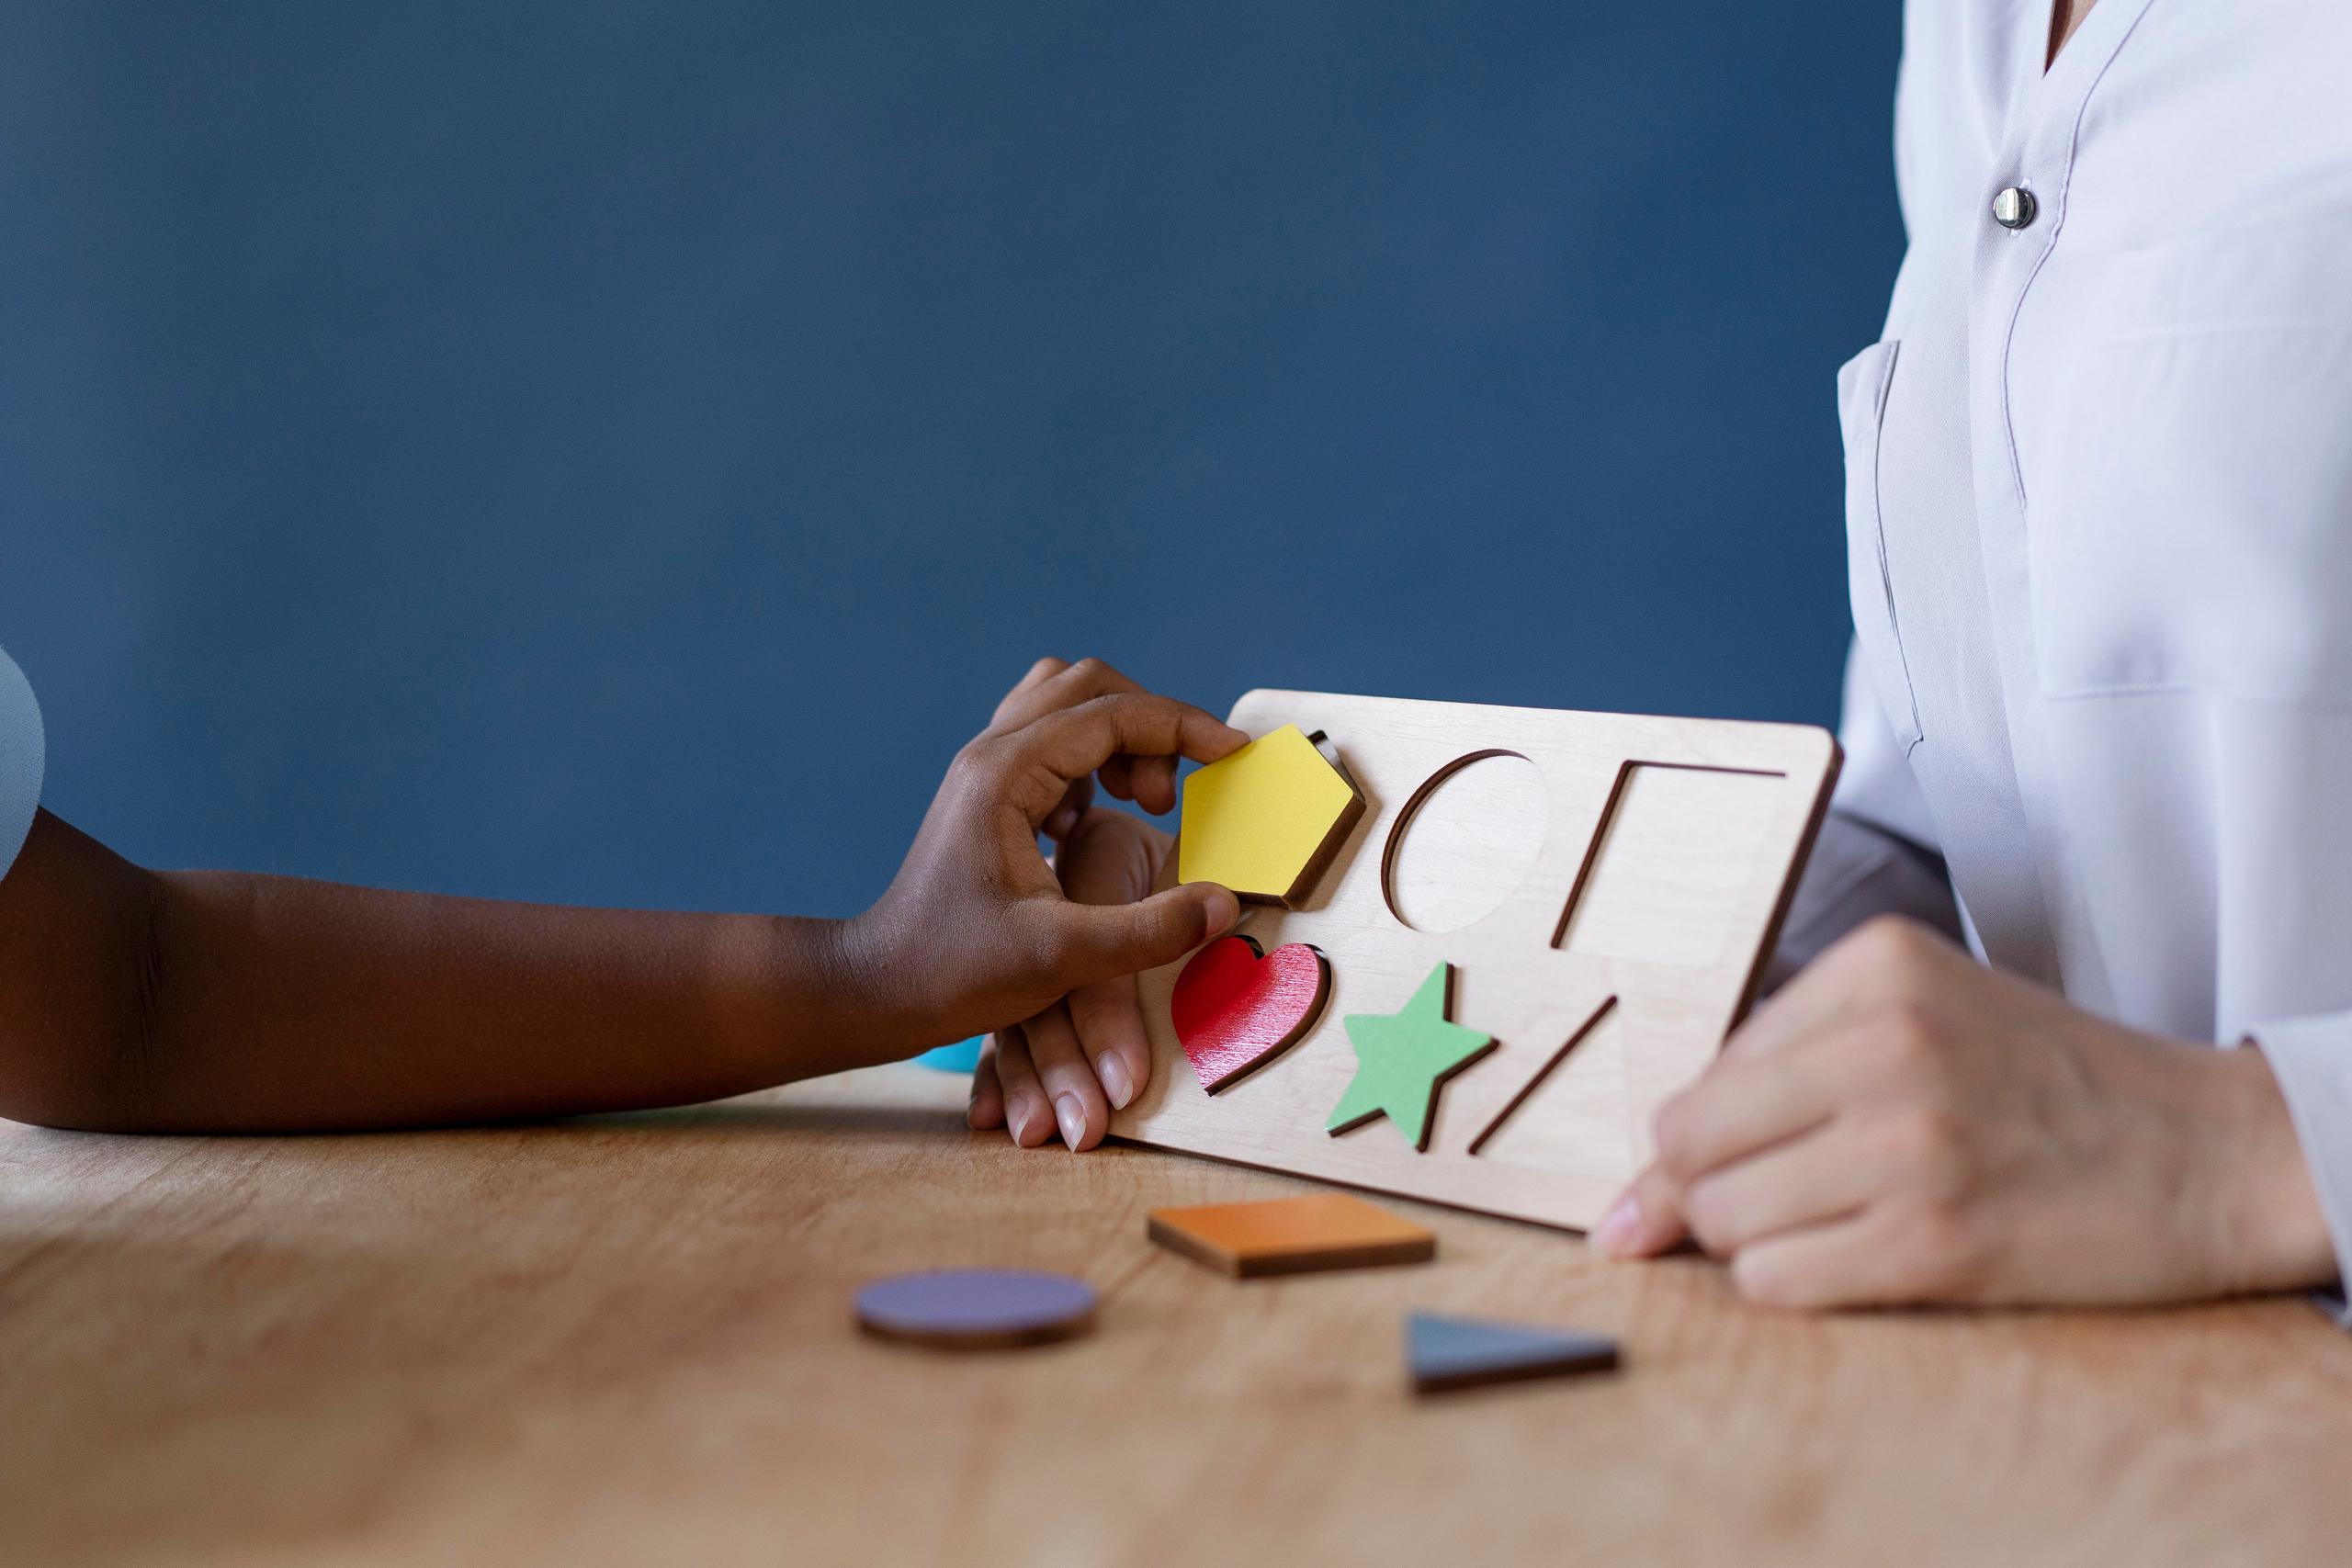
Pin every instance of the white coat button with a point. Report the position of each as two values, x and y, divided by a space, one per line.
2014 207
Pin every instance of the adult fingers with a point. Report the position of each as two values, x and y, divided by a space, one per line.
1079 1109
1888 1254
1819 996
987 1109
1882 959
1811 1180
1028 1114
1741 1106
1644 1221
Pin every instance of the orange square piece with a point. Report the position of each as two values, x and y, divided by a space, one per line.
1292 1235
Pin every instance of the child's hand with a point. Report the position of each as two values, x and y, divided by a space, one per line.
974 933
1087 1054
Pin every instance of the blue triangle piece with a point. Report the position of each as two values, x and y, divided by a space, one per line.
1463 1352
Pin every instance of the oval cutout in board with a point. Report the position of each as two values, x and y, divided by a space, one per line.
1465 841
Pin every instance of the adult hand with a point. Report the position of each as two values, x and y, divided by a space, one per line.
1086 1056
1902 1124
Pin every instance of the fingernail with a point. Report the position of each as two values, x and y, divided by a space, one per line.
1021 1116
1222 911
1116 1081
1072 1116
1617 1228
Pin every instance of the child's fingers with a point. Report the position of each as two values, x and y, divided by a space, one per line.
1037 763
1079 1109
1087 943
1010 713
1111 861
1153 784
1063 819
1026 1113
1118 777
987 1109
1053 685
1109 1022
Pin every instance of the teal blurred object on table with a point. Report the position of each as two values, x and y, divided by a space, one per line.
961 1057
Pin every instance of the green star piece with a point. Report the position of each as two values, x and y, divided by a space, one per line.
1402 1057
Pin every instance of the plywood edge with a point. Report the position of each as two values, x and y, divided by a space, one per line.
1819 744
1327 854
1487 1209
1177 1239
1371 1255
1833 761
1566 1365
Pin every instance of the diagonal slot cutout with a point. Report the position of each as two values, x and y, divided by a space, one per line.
1542 1076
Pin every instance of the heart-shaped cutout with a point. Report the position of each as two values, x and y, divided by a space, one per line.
1236 1009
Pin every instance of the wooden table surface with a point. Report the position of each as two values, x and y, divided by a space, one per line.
629 1340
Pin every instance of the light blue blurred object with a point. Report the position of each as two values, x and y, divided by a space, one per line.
961 1057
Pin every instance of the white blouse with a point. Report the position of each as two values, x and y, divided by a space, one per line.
2099 508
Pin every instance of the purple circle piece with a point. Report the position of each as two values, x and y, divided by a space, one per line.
977 1307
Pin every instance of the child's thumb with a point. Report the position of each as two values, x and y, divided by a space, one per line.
1104 942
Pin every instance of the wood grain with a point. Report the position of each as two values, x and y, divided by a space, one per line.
1661 866
627 1341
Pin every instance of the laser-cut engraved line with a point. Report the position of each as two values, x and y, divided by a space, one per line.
1591 862
1608 1004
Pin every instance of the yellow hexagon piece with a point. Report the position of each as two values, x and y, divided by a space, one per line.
1266 820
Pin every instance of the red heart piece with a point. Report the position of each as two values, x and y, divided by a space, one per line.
1235 1009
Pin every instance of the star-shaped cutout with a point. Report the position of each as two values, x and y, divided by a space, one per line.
1402 1057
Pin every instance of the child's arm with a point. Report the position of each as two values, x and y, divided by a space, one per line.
138 1000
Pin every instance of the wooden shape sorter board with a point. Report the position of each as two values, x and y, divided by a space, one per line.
1610 885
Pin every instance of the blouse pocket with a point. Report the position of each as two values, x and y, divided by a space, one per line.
2194 530
1862 385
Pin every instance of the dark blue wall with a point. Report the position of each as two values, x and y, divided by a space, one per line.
617 451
